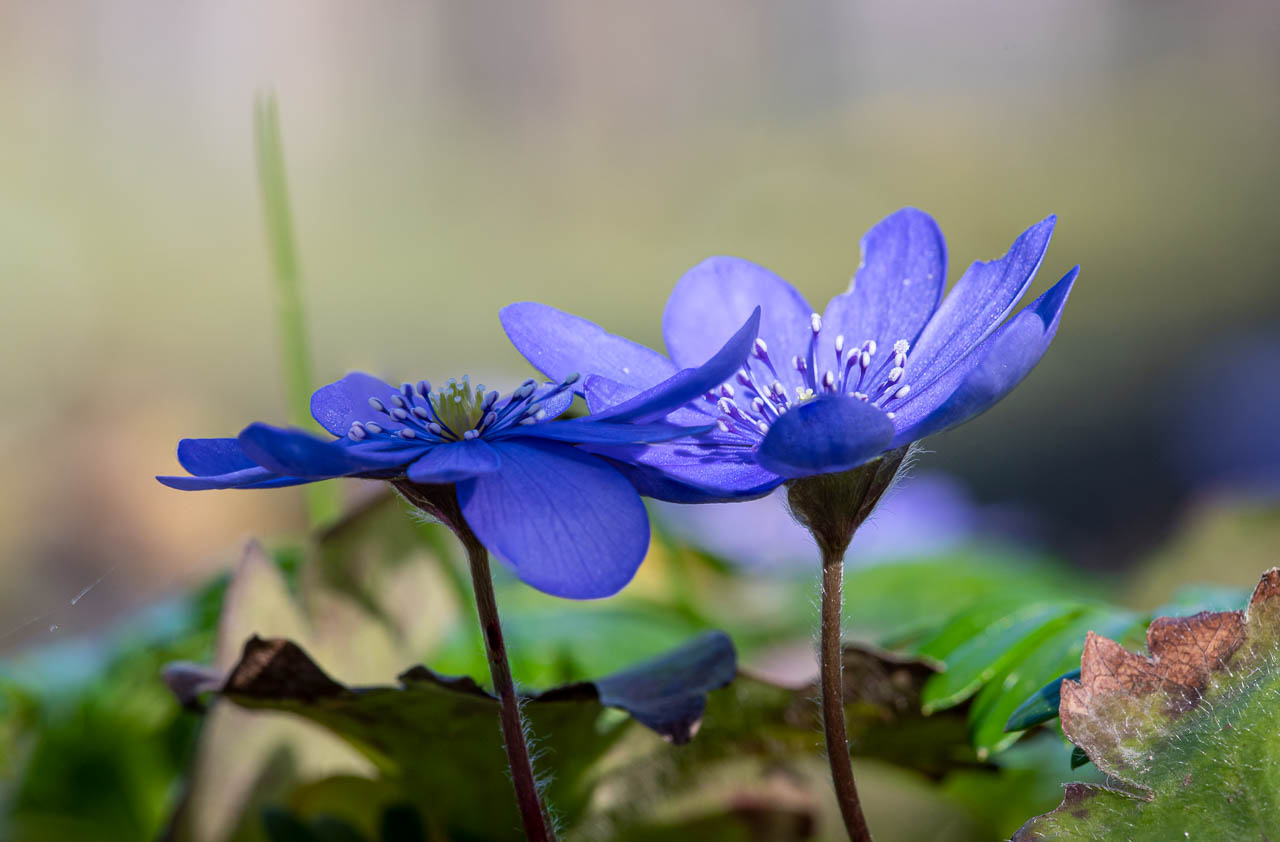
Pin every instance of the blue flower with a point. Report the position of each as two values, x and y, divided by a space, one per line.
889 362
564 519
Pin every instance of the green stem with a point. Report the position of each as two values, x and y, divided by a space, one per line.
322 498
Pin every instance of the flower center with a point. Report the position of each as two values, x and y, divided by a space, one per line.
455 411
857 372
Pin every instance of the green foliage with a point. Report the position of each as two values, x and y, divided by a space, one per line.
1187 735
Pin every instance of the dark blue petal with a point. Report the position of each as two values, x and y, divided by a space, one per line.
896 289
714 297
825 435
565 521
558 344
210 457
981 379
590 431
337 406
983 297
555 405
254 477
691 470
454 462
299 454
691 383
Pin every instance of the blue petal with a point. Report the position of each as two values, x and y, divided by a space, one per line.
566 522
299 454
603 394
989 373
896 289
714 297
454 462
210 457
983 297
555 405
691 383
825 435
559 344
337 406
254 477
691 470
590 431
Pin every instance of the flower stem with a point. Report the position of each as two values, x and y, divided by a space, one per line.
831 660
532 814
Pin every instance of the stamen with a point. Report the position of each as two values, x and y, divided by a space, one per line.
408 434
377 405
815 322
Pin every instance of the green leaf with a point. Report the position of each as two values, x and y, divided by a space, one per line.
1187 734
1041 706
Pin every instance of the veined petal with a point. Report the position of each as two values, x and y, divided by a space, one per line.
690 383
299 454
211 457
559 344
603 394
691 470
983 297
825 435
255 477
340 404
896 289
714 297
454 462
565 521
990 372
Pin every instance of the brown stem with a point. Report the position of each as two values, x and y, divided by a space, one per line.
441 502
532 814
831 658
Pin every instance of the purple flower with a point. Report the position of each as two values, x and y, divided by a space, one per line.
564 519
889 362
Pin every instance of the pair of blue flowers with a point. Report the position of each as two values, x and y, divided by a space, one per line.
758 390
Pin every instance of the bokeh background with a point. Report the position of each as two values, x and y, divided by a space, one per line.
447 159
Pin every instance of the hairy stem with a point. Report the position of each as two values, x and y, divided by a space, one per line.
831 659
532 814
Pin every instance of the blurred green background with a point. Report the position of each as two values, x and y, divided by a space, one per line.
447 159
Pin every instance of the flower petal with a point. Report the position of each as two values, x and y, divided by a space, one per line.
714 297
590 431
211 457
896 289
825 435
989 373
983 297
690 383
565 521
255 477
603 393
691 470
299 454
337 406
559 344
454 462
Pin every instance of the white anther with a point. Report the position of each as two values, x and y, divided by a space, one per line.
902 393
840 344
895 374
435 428
397 400
470 435
890 415
540 415
829 380
757 404
744 378
778 390
726 390
762 427
408 434
724 428
525 422
860 396
869 346
901 346
865 360
373 428
399 414
725 406
377 405
800 364
762 348
421 413
815 322
572 378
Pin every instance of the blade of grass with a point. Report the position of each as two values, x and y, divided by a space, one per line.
322 498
